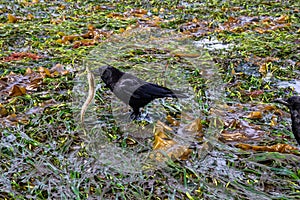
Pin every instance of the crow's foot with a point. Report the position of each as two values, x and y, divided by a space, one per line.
141 118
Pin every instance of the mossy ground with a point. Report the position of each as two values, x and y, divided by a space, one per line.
42 152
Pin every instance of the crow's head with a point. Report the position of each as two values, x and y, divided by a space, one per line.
110 75
105 73
293 103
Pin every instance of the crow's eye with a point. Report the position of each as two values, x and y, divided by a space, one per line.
106 75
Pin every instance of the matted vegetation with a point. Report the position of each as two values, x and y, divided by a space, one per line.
248 152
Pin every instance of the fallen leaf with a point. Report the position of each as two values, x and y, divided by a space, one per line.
91 27
273 121
69 38
282 148
195 126
240 130
14 120
269 108
85 43
228 136
115 16
160 126
12 117
162 142
17 90
58 69
21 55
139 11
164 146
34 83
282 19
155 10
30 16
44 72
255 115
121 30
130 141
260 30
263 68
3 111
103 7
28 71
172 120
255 93
11 18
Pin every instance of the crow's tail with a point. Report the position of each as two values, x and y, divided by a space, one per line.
178 94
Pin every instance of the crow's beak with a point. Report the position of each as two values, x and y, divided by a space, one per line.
282 101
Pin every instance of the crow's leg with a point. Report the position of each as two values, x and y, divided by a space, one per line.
135 114
146 118
141 118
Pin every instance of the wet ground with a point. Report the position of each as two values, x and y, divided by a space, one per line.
227 140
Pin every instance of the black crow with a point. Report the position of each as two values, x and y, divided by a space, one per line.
293 103
134 91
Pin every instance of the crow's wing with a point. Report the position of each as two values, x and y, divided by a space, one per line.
152 91
130 86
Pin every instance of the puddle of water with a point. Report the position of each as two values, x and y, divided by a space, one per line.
212 44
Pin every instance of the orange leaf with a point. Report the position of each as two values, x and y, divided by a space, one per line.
226 136
30 16
255 115
232 20
172 120
44 72
255 93
15 119
271 59
34 83
260 30
21 55
115 15
162 143
12 117
121 30
3 111
185 155
11 18
195 20
139 11
273 121
195 126
269 108
28 71
17 91
282 148
263 68
69 38
282 19
91 27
